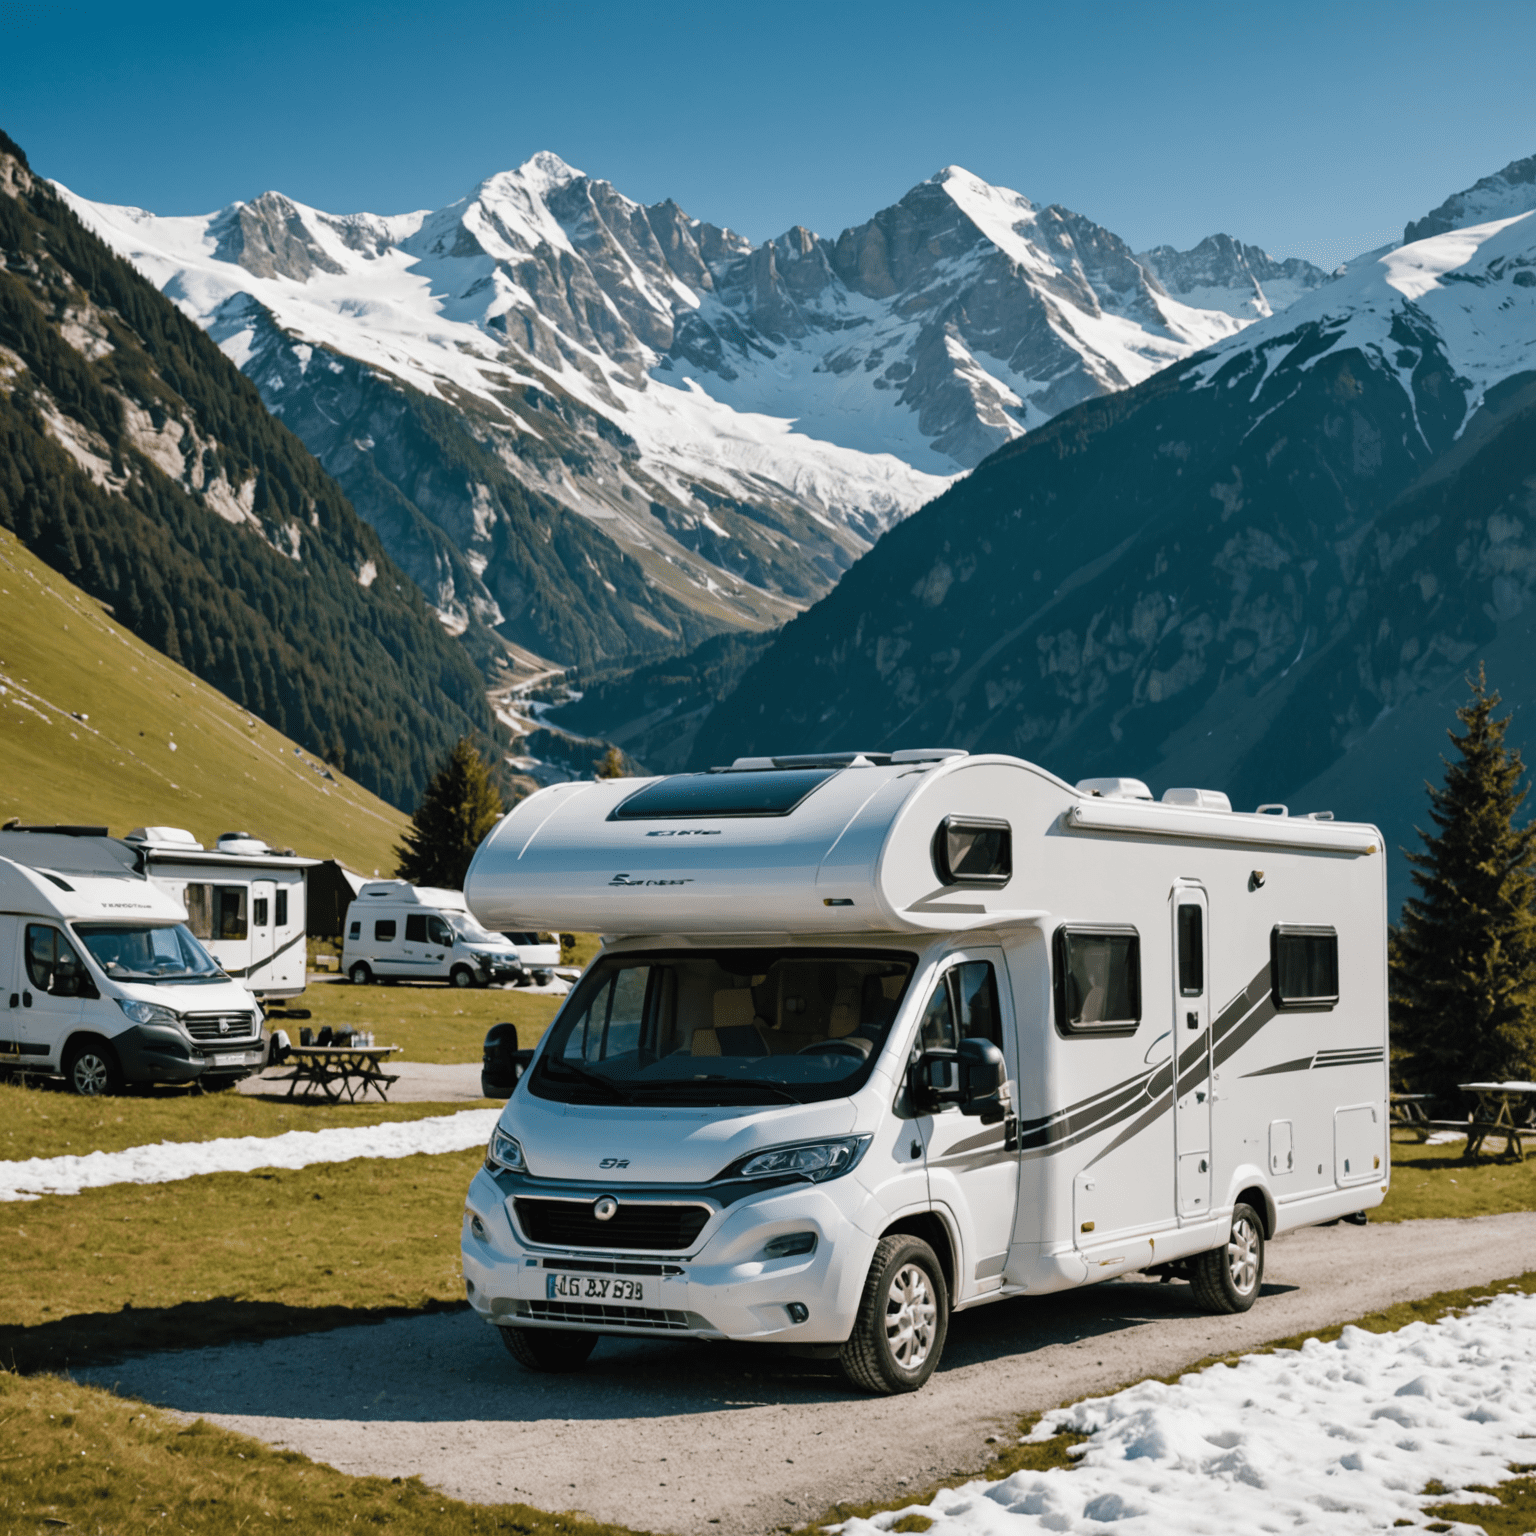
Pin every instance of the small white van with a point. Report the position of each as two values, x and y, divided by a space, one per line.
397 931
880 1037
101 980
538 957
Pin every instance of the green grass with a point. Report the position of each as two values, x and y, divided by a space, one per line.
48 1122
438 1024
1430 1181
1513 1515
85 1459
229 1256
62 655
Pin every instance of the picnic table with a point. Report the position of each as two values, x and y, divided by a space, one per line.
1407 1113
339 1071
1503 1109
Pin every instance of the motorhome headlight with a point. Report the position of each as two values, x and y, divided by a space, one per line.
506 1152
148 1013
813 1160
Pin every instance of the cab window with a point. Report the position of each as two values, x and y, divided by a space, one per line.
416 928
438 932
53 966
963 1007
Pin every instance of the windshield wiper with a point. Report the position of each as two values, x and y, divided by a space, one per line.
595 1078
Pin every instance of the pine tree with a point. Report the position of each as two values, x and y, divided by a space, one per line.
1463 963
612 765
458 808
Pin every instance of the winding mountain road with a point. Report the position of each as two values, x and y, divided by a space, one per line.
698 1439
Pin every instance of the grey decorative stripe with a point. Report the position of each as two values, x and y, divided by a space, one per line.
282 949
1301 1064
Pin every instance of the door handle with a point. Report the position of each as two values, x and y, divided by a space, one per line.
26 999
15 1000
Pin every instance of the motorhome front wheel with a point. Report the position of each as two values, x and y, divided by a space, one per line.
360 975
92 1070
903 1319
548 1349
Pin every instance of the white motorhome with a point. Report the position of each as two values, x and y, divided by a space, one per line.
244 901
398 931
875 1038
537 956
102 981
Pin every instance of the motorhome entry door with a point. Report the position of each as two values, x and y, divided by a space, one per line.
973 1168
263 894
1190 918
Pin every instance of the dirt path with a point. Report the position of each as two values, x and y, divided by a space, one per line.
699 1439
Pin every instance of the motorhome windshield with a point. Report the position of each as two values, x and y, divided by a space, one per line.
774 792
128 953
723 1027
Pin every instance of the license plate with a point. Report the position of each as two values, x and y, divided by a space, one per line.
592 1288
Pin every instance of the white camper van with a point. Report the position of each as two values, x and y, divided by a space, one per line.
875 1038
244 901
101 980
397 931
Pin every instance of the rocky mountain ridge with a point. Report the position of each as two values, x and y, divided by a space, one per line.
733 425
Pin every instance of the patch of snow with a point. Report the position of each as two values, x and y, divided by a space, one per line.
168 1161
1331 1438
367 573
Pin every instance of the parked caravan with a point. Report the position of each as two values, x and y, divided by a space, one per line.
877 1038
102 980
244 900
398 931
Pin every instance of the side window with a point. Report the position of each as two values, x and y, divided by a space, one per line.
1304 967
416 928
613 1022
438 932
259 911
384 930
970 850
282 908
937 1031
229 902
53 966
199 900
356 930
975 991
1191 951
1098 980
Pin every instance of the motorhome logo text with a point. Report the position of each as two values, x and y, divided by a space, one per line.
687 832
625 880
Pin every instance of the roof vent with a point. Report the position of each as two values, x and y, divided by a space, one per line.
241 842
164 837
1197 799
1114 789
927 754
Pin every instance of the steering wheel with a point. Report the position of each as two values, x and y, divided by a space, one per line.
833 1048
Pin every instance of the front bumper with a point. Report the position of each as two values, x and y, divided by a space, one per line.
723 1287
156 1053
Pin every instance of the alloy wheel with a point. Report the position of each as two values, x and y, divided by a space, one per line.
910 1317
1243 1256
91 1075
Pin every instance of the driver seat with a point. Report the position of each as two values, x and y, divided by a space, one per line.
737 1029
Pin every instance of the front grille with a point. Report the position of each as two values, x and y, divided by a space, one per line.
609 1317
205 1026
637 1226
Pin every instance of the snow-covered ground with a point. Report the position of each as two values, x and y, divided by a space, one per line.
1338 1437
171 1160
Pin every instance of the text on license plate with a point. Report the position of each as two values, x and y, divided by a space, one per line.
592 1288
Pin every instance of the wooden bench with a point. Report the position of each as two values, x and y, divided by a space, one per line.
339 1071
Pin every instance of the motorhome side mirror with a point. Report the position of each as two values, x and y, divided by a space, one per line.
982 1075
501 1063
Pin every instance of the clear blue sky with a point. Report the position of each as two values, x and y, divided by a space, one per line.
1311 129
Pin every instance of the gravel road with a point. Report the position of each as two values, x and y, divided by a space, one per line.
698 1439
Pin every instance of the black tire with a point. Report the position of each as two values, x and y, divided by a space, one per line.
1228 1279
461 976
903 1319
549 1349
217 1084
360 973
91 1069
543 978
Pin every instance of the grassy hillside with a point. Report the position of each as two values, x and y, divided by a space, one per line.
61 657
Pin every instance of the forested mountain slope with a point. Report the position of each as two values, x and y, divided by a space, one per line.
1234 575
136 460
